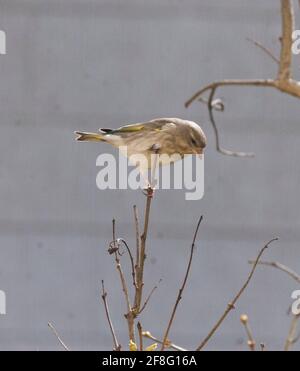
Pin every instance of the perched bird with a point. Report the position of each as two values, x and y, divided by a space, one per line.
168 136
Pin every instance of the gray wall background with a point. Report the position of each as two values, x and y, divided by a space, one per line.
82 64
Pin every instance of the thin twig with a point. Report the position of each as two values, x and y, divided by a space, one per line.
264 49
131 260
291 338
140 331
251 342
140 268
281 267
232 304
137 234
58 337
129 315
231 82
169 344
182 286
117 346
149 297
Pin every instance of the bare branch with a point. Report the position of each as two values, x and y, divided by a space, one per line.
232 82
281 267
168 344
140 331
129 315
291 339
182 287
58 337
149 297
262 347
137 269
117 346
137 234
264 49
245 322
131 259
283 81
212 120
232 304
140 268
287 15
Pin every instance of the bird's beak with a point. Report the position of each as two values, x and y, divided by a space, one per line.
198 151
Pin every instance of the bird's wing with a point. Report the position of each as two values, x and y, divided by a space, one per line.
154 125
160 124
124 129
129 128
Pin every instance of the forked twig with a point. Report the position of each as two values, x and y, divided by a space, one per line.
291 338
282 82
232 304
137 267
149 297
213 122
281 267
129 315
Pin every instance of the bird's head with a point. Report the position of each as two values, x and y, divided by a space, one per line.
194 138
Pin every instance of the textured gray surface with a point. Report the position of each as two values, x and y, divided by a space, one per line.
83 64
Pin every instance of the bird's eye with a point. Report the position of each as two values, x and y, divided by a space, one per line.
194 143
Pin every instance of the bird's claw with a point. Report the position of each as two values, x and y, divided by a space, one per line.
148 191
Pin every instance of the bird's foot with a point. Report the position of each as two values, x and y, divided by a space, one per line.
149 191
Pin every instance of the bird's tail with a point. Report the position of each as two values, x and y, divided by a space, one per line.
90 137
